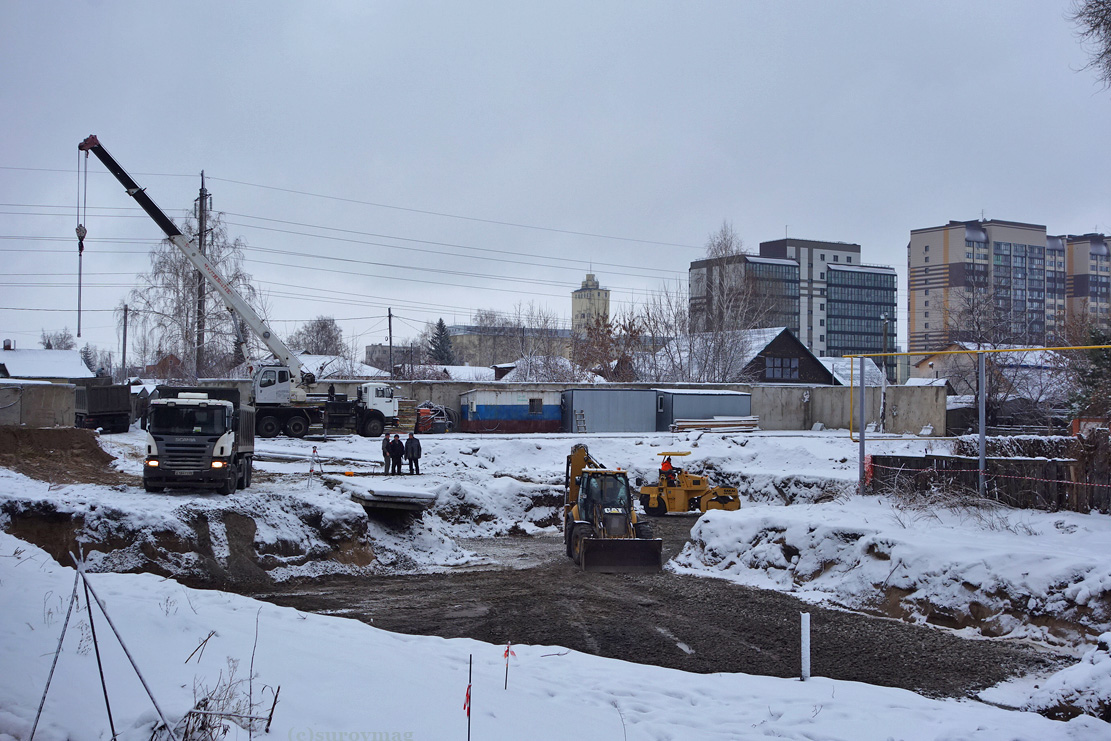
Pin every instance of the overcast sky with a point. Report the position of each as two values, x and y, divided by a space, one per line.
470 155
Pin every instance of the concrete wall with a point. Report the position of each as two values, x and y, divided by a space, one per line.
37 404
910 408
779 406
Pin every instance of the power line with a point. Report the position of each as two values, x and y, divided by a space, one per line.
578 263
454 216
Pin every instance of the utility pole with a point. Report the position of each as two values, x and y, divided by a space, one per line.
389 316
203 203
124 361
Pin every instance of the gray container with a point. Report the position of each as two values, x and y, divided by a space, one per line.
673 404
609 410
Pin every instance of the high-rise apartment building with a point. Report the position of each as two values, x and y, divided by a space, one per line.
588 303
1088 277
845 307
1002 281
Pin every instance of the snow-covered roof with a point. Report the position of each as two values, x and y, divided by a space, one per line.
468 372
772 260
43 364
325 367
861 268
702 392
685 357
544 368
926 382
847 370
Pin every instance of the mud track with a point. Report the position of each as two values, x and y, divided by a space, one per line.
695 624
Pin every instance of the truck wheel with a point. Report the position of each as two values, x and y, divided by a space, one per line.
241 479
643 530
296 426
372 427
152 489
268 426
227 486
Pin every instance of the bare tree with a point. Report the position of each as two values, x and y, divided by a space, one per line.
1093 19
731 298
665 315
608 346
320 336
165 304
60 340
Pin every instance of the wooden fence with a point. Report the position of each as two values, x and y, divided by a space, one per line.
1080 482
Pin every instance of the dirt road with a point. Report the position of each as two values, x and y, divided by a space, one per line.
695 624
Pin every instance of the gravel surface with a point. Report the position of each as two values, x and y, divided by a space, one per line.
534 594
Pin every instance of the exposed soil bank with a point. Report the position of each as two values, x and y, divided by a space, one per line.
689 623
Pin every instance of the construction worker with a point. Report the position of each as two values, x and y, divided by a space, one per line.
667 471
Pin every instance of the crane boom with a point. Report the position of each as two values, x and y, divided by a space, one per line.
232 299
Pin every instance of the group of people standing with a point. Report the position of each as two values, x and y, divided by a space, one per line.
393 450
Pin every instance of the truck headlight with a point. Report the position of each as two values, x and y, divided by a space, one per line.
152 462
218 464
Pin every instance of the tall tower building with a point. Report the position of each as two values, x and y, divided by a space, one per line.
588 302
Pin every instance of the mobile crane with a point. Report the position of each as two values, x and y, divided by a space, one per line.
279 391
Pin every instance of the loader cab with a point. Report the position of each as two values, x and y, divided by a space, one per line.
602 493
272 385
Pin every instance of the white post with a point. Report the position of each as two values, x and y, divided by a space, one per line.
805 646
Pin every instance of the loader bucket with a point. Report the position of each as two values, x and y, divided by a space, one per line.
622 555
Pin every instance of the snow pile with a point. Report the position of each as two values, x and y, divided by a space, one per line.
1019 574
341 679
1082 688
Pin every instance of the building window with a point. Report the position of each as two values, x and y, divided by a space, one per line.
848 258
837 258
822 307
821 322
781 368
927 258
821 276
535 406
927 325
926 248
821 338
822 256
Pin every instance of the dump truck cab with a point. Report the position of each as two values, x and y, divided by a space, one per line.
197 441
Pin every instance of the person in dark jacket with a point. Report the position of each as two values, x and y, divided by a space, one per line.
397 452
412 452
386 462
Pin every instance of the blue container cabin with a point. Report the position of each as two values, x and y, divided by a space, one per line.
510 410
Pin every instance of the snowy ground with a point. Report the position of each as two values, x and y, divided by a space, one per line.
341 679
829 546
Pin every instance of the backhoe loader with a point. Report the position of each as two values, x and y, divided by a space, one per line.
601 530
680 491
